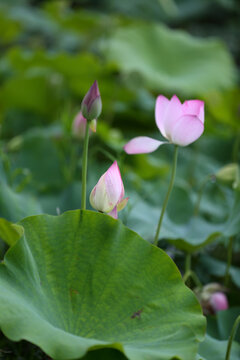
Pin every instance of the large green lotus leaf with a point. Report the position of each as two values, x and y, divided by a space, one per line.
171 60
212 349
82 281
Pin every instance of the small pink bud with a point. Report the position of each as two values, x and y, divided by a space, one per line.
108 195
92 104
219 301
79 126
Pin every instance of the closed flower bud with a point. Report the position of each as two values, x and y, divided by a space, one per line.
108 195
219 301
92 104
212 298
79 126
229 174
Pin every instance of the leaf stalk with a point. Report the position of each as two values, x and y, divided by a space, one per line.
174 167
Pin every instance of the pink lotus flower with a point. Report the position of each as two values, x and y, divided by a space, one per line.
180 124
79 126
92 104
108 195
219 301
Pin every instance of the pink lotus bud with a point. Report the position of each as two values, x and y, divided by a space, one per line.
79 126
92 104
229 174
180 124
219 301
108 195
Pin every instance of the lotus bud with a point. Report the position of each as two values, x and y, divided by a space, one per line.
92 104
229 174
108 195
219 301
212 298
79 126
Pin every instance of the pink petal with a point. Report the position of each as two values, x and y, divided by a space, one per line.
99 198
114 184
142 145
113 213
91 95
172 114
160 111
194 107
186 130
79 126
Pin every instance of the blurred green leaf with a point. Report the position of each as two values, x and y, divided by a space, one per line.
191 236
224 107
41 156
9 29
171 60
232 227
15 206
218 268
212 349
31 93
225 321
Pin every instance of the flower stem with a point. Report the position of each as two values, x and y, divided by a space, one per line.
193 276
229 260
232 335
188 263
84 166
167 196
200 193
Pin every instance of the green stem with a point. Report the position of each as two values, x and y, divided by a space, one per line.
167 196
188 263
84 166
232 335
191 274
200 193
229 260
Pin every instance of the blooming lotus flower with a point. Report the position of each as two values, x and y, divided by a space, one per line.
108 195
79 125
219 301
180 124
92 104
